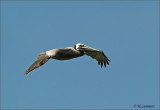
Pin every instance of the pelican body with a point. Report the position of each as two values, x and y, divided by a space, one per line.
69 53
64 54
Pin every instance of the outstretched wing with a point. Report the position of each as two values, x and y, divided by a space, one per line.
96 54
42 59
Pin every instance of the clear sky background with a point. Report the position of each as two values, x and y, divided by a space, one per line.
127 32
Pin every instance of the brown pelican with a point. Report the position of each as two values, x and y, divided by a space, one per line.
69 53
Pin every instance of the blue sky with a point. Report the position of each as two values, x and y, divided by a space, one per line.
127 32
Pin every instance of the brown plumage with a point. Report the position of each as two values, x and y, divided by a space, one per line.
42 59
69 53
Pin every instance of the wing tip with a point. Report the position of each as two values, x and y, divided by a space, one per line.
26 73
103 63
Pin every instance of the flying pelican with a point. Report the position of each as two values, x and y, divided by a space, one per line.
69 53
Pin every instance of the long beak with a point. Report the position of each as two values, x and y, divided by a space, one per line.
87 48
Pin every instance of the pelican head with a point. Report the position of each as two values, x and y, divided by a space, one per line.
82 47
79 46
